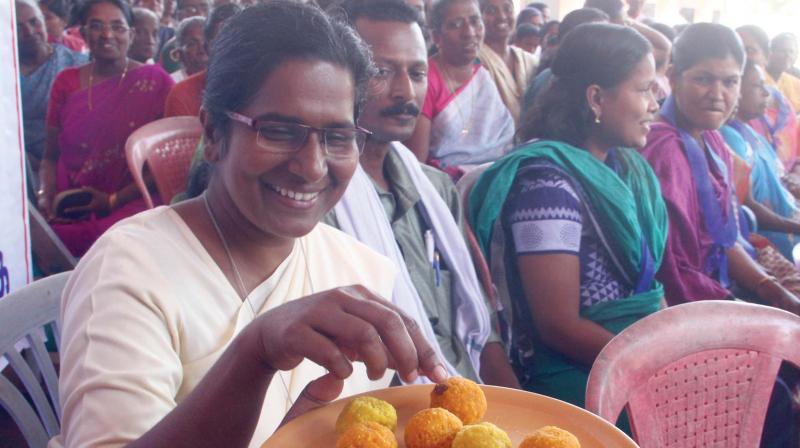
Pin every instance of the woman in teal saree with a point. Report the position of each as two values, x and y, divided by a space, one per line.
577 213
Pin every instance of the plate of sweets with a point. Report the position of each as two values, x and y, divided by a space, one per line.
456 414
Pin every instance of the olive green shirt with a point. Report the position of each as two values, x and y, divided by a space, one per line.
409 229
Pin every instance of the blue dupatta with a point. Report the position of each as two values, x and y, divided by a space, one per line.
721 226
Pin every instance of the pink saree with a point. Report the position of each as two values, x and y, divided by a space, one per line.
92 141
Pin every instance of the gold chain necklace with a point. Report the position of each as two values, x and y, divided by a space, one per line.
452 88
91 80
243 289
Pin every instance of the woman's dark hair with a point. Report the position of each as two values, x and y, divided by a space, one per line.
82 11
527 30
526 15
548 27
253 43
541 6
703 41
219 15
758 34
666 30
185 26
614 8
578 17
593 53
377 10
439 11
57 7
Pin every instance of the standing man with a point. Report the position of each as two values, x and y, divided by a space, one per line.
411 212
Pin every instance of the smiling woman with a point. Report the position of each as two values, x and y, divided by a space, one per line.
92 111
584 220
510 66
226 314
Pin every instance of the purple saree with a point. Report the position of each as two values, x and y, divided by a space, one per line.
92 140
684 271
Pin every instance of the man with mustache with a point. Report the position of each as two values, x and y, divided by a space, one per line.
411 212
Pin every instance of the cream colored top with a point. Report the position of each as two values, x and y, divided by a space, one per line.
147 312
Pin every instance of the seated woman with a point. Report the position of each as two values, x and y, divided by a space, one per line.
583 213
774 207
693 165
186 97
464 120
93 109
511 67
189 325
779 122
542 79
190 48
39 62
57 16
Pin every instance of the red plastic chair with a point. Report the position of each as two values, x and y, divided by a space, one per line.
698 374
167 145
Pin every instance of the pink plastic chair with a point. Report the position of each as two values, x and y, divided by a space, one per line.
698 374
167 145
464 187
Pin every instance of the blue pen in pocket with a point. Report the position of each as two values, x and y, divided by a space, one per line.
437 268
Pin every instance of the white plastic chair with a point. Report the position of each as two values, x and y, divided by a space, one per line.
23 314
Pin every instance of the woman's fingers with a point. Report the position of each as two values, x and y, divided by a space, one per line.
336 327
402 335
306 342
358 339
317 393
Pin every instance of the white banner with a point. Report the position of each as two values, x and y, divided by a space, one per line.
15 255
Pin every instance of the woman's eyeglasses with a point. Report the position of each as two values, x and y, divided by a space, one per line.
99 27
286 138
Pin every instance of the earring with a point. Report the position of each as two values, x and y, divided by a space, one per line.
596 117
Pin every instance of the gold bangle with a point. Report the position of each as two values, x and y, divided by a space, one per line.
112 201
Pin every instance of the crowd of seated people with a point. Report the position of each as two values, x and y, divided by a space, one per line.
618 167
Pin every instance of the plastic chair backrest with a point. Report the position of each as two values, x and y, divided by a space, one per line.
23 314
167 145
49 252
697 374
464 187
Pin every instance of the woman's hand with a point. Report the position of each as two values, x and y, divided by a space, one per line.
99 205
44 201
47 189
772 292
336 327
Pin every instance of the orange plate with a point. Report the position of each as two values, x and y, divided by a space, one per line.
517 412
